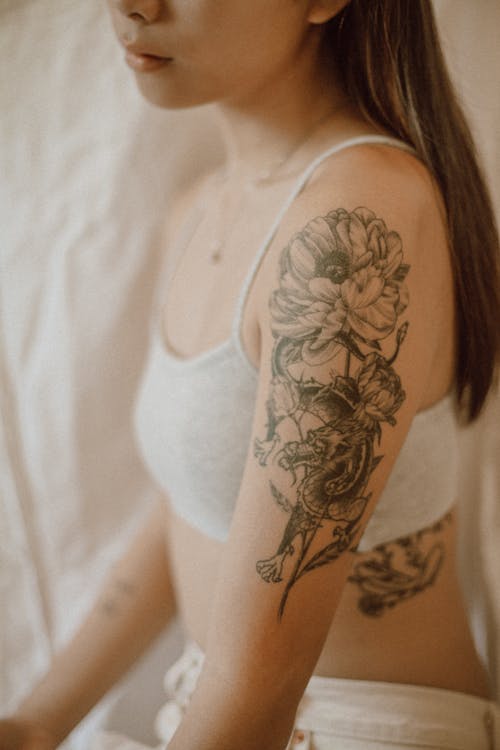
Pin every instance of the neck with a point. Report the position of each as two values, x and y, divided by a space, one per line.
265 128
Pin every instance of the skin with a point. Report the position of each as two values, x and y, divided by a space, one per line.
422 640
116 631
231 53
262 63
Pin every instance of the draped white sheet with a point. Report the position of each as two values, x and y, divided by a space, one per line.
85 173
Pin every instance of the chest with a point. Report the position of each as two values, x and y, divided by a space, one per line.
209 269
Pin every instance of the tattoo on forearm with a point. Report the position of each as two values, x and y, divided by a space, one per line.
397 571
120 589
341 293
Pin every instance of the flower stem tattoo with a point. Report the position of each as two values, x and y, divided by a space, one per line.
341 293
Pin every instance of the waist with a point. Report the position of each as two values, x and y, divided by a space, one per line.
367 711
409 634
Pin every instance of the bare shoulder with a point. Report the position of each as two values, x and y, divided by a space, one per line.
399 190
365 236
391 182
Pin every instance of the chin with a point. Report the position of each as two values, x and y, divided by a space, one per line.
168 96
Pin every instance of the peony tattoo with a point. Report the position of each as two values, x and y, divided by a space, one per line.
340 300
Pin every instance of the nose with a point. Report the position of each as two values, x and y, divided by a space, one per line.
144 11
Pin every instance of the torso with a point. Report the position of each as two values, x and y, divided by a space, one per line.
423 639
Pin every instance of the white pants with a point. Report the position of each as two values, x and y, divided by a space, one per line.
338 714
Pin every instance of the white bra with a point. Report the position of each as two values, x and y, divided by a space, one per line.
193 420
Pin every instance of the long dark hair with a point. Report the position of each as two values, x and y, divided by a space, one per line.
393 68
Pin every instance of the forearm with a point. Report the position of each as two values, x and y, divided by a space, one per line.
224 719
256 668
135 604
245 701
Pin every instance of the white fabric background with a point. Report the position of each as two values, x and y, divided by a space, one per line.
86 169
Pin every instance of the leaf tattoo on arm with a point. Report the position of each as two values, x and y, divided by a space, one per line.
341 293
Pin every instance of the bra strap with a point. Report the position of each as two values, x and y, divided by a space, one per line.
296 190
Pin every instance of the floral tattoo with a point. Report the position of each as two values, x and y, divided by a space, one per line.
396 571
341 293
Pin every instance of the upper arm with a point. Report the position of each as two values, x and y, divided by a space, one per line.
348 344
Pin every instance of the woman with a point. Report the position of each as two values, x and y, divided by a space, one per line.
330 310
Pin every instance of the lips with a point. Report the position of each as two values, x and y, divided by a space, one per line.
144 62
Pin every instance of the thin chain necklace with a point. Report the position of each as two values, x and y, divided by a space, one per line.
226 213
